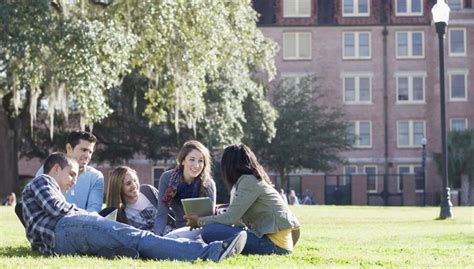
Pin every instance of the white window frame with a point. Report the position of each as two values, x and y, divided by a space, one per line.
466 87
344 172
297 40
458 119
410 76
357 134
411 172
375 175
356 13
410 45
299 13
411 133
356 46
461 3
356 76
409 9
457 54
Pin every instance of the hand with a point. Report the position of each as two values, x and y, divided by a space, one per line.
192 221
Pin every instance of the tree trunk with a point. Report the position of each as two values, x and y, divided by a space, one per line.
465 189
283 180
8 156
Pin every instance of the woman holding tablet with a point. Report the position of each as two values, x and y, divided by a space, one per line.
255 207
190 178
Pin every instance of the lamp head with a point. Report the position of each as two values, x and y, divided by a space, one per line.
423 141
440 12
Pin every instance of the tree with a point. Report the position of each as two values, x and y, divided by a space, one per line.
460 160
69 55
309 133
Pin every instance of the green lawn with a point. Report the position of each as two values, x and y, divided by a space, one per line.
346 236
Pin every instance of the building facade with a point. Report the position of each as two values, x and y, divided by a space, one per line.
379 61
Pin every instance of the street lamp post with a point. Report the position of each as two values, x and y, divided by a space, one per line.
423 167
440 13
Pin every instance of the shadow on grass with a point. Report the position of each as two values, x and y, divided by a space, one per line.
23 251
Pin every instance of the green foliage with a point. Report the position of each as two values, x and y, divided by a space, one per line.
460 156
331 236
309 133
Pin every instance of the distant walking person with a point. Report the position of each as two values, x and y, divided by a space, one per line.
54 226
292 198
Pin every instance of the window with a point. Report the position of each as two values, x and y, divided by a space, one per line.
458 124
410 87
297 46
157 171
411 169
455 4
355 8
457 42
410 133
410 45
297 79
409 7
296 8
357 88
457 85
371 172
349 170
359 134
356 45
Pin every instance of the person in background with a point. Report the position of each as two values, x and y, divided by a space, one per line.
88 193
283 196
10 200
190 178
56 227
137 205
255 207
292 198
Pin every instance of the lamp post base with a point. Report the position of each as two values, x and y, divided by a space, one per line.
446 204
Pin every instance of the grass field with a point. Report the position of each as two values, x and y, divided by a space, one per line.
342 236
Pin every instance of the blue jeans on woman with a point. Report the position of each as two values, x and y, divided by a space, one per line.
88 234
255 245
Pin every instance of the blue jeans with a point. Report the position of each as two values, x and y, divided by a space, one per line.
255 245
87 234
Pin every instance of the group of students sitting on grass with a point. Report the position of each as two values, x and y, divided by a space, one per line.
151 222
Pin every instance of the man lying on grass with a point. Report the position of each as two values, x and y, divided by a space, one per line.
56 227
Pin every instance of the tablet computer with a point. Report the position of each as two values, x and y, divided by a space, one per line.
112 215
201 206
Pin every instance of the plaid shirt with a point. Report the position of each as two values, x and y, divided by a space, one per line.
43 206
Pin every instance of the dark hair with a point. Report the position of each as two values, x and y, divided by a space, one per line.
238 160
57 158
76 136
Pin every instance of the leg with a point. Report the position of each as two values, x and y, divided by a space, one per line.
19 212
88 234
254 245
185 232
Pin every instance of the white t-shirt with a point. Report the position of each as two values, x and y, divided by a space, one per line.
142 213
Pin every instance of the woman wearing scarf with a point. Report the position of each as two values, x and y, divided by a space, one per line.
190 178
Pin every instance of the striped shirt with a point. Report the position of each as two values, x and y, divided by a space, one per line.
43 206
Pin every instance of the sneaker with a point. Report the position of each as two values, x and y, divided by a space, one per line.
233 246
121 252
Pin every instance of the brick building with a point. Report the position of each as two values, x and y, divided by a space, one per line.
379 61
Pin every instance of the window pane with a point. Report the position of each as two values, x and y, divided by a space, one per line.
349 84
304 8
402 44
456 41
363 6
455 4
371 178
351 134
304 45
417 46
458 124
289 45
402 89
364 46
349 45
418 132
416 6
419 178
458 87
403 133
401 6
289 7
364 129
364 89
402 170
417 89
348 6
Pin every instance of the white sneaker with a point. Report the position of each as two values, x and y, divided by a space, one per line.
233 246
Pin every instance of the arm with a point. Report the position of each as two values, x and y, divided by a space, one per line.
96 193
246 194
50 199
163 210
211 193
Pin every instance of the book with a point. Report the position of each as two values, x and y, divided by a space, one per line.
201 206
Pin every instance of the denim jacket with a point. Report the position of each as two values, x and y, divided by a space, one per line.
257 205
